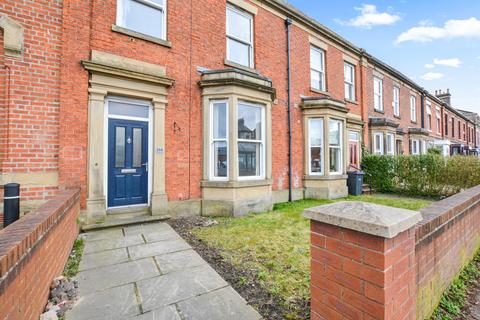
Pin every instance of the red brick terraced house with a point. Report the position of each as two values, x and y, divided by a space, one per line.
155 104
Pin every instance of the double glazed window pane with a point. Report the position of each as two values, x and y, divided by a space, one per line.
239 37
144 18
219 143
334 132
220 120
316 145
249 122
127 109
335 159
238 52
249 155
137 147
317 69
335 145
119 147
220 158
349 81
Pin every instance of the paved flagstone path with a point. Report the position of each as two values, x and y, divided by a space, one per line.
149 272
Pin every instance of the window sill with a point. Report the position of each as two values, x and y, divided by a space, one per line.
236 184
142 36
351 101
239 66
325 177
414 122
398 117
378 111
325 93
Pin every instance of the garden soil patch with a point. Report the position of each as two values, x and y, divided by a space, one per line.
244 281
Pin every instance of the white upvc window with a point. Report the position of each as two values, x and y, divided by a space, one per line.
390 144
315 146
239 37
439 121
378 94
317 68
144 16
219 140
335 146
429 116
378 143
349 75
413 108
396 101
415 146
251 141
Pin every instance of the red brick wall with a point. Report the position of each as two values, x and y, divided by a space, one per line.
445 241
33 251
32 82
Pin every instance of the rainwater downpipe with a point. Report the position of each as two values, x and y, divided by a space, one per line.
288 23
422 109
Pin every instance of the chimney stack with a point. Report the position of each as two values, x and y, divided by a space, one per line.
444 96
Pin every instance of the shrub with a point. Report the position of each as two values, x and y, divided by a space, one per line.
426 175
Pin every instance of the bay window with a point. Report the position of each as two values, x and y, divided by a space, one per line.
415 146
390 144
315 151
378 94
317 68
378 143
239 36
349 75
335 146
219 140
144 16
250 140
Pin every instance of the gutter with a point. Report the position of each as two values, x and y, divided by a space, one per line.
288 23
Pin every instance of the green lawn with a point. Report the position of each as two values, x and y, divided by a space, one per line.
277 243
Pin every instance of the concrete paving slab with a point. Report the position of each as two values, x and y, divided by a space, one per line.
115 275
114 303
157 248
161 236
166 313
220 304
180 260
104 234
103 258
176 286
113 243
146 228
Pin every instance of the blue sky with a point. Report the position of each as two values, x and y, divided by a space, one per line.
435 43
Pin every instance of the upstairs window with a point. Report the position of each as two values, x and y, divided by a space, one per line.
239 37
446 124
439 122
413 108
349 73
396 101
378 94
144 16
453 127
429 116
317 68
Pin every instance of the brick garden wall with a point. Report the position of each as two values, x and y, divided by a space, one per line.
33 251
446 240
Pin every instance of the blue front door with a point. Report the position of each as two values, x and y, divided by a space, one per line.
127 162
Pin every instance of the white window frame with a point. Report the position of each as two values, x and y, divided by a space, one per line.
340 146
378 135
322 148
261 142
322 73
212 141
413 108
251 60
377 94
151 4
391 145
429 116
439 120
415 142
396 101
350 68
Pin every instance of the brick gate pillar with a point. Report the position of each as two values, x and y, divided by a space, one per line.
363 261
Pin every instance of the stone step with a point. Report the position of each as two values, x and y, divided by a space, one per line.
125 219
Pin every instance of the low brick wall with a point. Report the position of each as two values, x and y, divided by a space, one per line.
446 241
376 262
33 251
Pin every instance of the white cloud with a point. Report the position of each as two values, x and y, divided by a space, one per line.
425 32
429 76
370 17
429 66
454 62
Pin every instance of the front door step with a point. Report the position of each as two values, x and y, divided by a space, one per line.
125 219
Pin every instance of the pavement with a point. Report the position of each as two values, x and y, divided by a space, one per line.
149 272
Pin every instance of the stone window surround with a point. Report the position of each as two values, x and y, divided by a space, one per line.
384 130
112 75
13 40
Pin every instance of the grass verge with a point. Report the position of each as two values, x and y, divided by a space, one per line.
276 244
456 296
73 262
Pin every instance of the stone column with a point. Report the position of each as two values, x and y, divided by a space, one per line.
363 261
159 200
96 206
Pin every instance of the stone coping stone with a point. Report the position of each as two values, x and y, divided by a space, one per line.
365 217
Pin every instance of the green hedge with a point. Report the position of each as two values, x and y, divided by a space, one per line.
424 175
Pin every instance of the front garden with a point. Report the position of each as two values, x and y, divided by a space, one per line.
267 256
